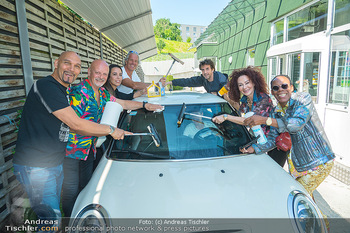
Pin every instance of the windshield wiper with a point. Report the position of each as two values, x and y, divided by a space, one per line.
143 154
250 143
225 149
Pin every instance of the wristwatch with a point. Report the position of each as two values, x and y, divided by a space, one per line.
112 129
269 121
225 117
144 104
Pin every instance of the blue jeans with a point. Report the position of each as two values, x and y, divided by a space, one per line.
42 184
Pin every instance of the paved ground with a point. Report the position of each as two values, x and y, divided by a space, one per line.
333 198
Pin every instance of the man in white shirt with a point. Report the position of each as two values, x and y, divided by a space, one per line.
131 81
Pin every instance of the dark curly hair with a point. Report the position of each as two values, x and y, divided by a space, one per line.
255 77
207 62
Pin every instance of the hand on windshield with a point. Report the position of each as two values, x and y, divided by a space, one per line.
219 119
250 150
255 120
118 134
154 107
140 92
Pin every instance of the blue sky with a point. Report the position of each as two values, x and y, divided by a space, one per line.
192 12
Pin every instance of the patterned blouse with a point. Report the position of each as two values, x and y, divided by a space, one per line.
262 105
83 100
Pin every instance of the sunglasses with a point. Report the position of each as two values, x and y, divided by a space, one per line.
284 86
134 52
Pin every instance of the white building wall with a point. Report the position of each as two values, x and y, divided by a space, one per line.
194 31
155 70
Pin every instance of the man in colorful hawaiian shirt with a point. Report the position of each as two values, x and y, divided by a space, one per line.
88 99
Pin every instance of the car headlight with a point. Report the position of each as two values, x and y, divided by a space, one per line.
304 214
93 218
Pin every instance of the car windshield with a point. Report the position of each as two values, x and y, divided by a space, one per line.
196 137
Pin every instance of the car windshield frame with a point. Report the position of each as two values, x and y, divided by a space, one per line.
179 142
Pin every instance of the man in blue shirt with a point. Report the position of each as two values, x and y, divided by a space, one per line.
211 80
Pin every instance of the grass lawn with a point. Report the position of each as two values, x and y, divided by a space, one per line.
179 49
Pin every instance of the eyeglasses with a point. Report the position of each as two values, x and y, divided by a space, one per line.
284 86
134 52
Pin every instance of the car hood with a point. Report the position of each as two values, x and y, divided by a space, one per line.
250 186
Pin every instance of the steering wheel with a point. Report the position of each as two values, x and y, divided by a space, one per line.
198 135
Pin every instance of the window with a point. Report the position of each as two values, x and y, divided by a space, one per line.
308 21
311 71
187 29
194 29
295 70
273 67
250 55
278 32
342 9
339 80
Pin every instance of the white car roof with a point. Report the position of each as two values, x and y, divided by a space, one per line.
178 97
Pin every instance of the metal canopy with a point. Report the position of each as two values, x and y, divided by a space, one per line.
234 11
127 23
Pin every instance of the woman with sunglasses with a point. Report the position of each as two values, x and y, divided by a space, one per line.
114 80
311 157
250 84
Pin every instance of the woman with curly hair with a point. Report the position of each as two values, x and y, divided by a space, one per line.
248 87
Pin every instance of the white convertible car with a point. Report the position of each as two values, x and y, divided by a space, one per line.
180 168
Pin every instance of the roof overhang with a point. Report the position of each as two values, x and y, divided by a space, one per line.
311 43
127 23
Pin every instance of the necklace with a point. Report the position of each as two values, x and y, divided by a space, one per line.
250 103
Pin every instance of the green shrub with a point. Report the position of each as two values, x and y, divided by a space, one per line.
171 78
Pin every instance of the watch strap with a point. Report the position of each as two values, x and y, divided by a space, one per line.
112 129
144 104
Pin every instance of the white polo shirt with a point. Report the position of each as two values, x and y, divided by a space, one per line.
135 78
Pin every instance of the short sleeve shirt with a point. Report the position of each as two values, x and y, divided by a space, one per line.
83 100
135 78
42 137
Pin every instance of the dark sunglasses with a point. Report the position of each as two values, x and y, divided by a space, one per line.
284 86
134 52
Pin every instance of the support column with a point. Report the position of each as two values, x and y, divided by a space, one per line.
24 45
101 47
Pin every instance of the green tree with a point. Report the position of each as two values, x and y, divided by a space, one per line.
167 30
160 45
189 39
